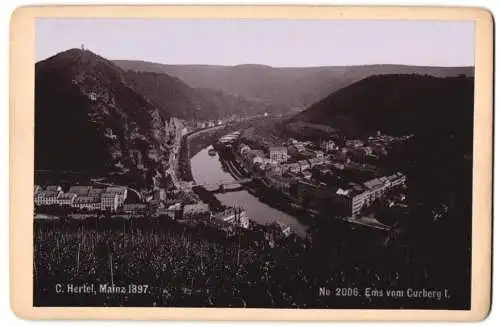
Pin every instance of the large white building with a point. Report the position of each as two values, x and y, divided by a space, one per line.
66 199
351 199
120 191
87 202
278 154
327 145
109 201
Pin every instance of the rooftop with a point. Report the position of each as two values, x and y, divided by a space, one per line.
132 206
374 183
196 207
85 199
67 196
81 188
116 189
109 195
96 191
48 193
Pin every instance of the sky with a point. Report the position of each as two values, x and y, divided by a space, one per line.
278 43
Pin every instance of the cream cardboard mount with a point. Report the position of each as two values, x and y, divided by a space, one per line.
251 163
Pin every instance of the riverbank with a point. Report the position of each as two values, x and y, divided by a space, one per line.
265 194
209 170
195 141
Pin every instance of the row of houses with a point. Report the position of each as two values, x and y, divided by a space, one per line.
277 158
281 154
81 197
299 151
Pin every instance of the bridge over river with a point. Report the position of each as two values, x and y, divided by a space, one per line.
224 185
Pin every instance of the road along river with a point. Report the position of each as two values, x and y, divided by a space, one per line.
208 169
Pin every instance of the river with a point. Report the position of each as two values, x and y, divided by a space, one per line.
208 169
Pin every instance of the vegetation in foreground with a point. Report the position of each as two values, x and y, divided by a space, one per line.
196 265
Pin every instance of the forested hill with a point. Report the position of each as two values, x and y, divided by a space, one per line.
171 95
87 118
399 104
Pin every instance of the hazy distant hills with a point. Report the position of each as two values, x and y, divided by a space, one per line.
398 104
293 88
177 99
87 118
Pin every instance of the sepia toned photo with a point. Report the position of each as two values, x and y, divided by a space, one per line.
253 163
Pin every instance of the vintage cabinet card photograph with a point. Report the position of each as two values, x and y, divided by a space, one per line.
226 163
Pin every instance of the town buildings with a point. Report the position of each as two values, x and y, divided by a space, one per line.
297 149
109 201
278 154
243 149
354 143
196 209
66 199
173 210
253 158
135 209
81 197
96 193
327 145
120 191
316 161
292 167
80 190
36 189
229 138
57 188
160 195
318 154
304 165
277 179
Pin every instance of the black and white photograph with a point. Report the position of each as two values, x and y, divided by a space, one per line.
253 163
